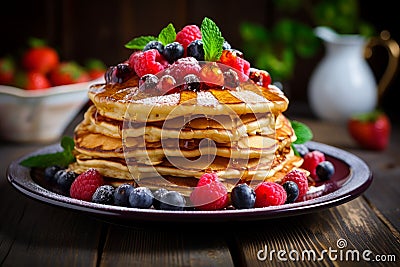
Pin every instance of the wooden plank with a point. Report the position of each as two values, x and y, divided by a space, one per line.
353 223
165 245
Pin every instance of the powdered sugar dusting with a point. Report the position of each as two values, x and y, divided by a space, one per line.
164 100
249 97
206 99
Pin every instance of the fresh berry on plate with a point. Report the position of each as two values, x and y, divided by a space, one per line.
172 200
64 179
370 130
269 194
121 195
49 173
302 149
292 191
147 62
311 160
104 194
158 194
210 193
86 184
300 179
325 170
195 49
119 73
243 196
154 45
141 197
173 52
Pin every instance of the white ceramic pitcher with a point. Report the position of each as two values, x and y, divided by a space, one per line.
343 83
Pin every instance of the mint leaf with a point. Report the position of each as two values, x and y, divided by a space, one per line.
167 35
140 42
212 40
302 131
62 158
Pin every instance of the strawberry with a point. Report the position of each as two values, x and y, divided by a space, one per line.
370 130
31 80
95 68
68 72
7 70
40 57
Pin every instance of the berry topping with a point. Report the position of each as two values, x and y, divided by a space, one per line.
188 34
302 149
148 82
292 191
325 170
269 194
104 195
243 196
147 62
158 194
118 74
121 195
231 79
65 179
172 200
183 67
86 184
311 160
141 197
166 84
191 82
154 45
233 58
300 179
211 74
50 172
195 49
260 77
210 193
173 52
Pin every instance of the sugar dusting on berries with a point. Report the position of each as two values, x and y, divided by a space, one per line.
86 184
210 193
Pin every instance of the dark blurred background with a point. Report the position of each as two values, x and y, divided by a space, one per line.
80 30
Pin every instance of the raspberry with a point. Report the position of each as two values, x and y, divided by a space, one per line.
269 194
183 67
300 179
311 160
188 34
210 193
86 184
147 62
232 58
260 77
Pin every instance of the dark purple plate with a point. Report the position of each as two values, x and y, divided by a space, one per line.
352 177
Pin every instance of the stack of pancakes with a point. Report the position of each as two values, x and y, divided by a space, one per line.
169 141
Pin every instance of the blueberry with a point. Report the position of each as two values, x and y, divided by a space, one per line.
158 194
148 81
243 196
195 49
141 197
50 172
121 195
104 195
172 200
325 170
154 45
65 179
226 46
118 74
191 82
292 191
231 79
301 149
173 51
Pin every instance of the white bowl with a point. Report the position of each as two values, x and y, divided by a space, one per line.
40 115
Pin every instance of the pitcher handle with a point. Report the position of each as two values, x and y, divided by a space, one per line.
393 50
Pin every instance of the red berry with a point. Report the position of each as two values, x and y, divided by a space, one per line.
311 160
210 193
232 58
269 194
183 67
260 77
187 35
300 179
31 80
40 59
86 184
147 62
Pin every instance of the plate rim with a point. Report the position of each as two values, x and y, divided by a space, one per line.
358 182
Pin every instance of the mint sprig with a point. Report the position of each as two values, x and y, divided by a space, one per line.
212 40
167 35
140 42
62 158
302 132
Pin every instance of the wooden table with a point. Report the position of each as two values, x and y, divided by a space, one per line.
37 234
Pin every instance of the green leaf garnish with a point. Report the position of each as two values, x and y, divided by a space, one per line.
212 40
302 131
140 42
62 158
167 35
